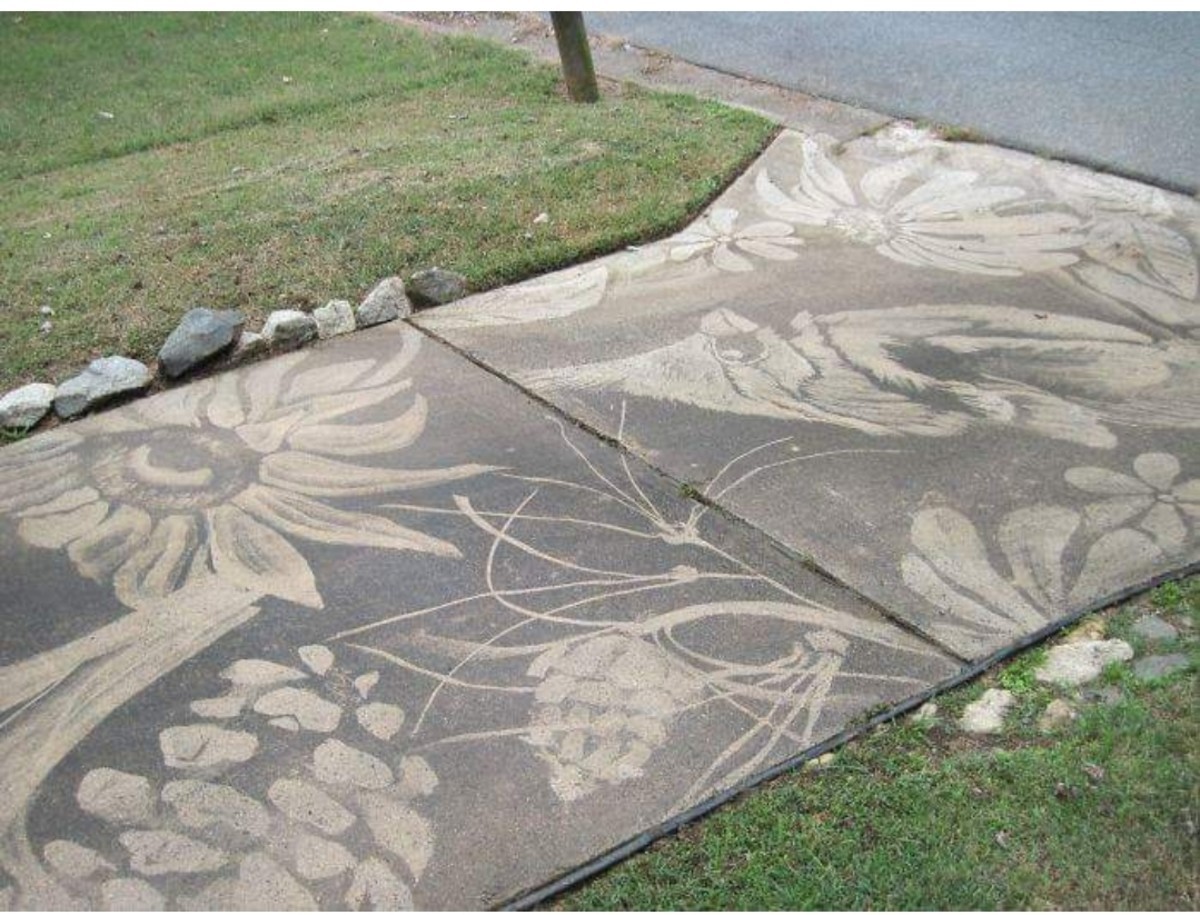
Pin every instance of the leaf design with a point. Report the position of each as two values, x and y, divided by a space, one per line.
252 556
567 293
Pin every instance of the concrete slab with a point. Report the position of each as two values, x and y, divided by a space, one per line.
363 626
964 380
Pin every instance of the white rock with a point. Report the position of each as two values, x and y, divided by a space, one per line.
334 319
310 711
288 328
1074 663
116 796
335 763
24 407
73 860
197 746
317 658
256 672
319 859
285 723
1057 714
306 803
129 894
386 302
986 714
158 851
248 345
101 381
380 719
201 804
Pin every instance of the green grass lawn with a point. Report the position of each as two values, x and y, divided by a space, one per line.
918 815
153 162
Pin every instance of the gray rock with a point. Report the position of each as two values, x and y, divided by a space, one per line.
24 407
334 319
101 381
201 334
386 302
986 714
1057 715
429 288
1103 695
289 328
1159 665
1076 663
248 346
1155 629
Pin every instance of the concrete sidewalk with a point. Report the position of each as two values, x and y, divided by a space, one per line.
401 621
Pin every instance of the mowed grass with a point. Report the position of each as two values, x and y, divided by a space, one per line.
282 160
1100 816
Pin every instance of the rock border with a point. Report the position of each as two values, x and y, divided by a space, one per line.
206 338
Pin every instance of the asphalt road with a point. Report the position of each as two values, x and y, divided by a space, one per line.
1114 90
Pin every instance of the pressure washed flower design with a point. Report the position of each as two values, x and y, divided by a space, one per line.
218 476
602 708
923 214
1152 500
716 237
350 826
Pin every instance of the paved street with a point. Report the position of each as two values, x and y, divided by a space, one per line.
1115 89
367 625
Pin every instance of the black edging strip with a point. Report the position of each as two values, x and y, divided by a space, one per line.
689 491
643 840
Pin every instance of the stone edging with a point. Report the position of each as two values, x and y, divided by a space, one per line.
207 338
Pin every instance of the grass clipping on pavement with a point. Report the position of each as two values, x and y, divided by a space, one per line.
1101 815
155 162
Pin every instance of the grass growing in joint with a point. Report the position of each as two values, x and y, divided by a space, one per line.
153 162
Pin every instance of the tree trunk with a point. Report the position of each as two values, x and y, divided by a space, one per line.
571 35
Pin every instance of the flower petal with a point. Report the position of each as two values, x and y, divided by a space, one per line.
369 438
722 219
108 545
724 258
1034 540
160 566
1112 561
949 541
1157 469
175 407
772 228
769 250
1163 523
52 532
225 410
327 379
303 517
1112 513
316 476
690 249
250 555
1101 482
268 436
69 500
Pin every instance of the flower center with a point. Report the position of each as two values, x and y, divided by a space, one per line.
861 226
174 469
